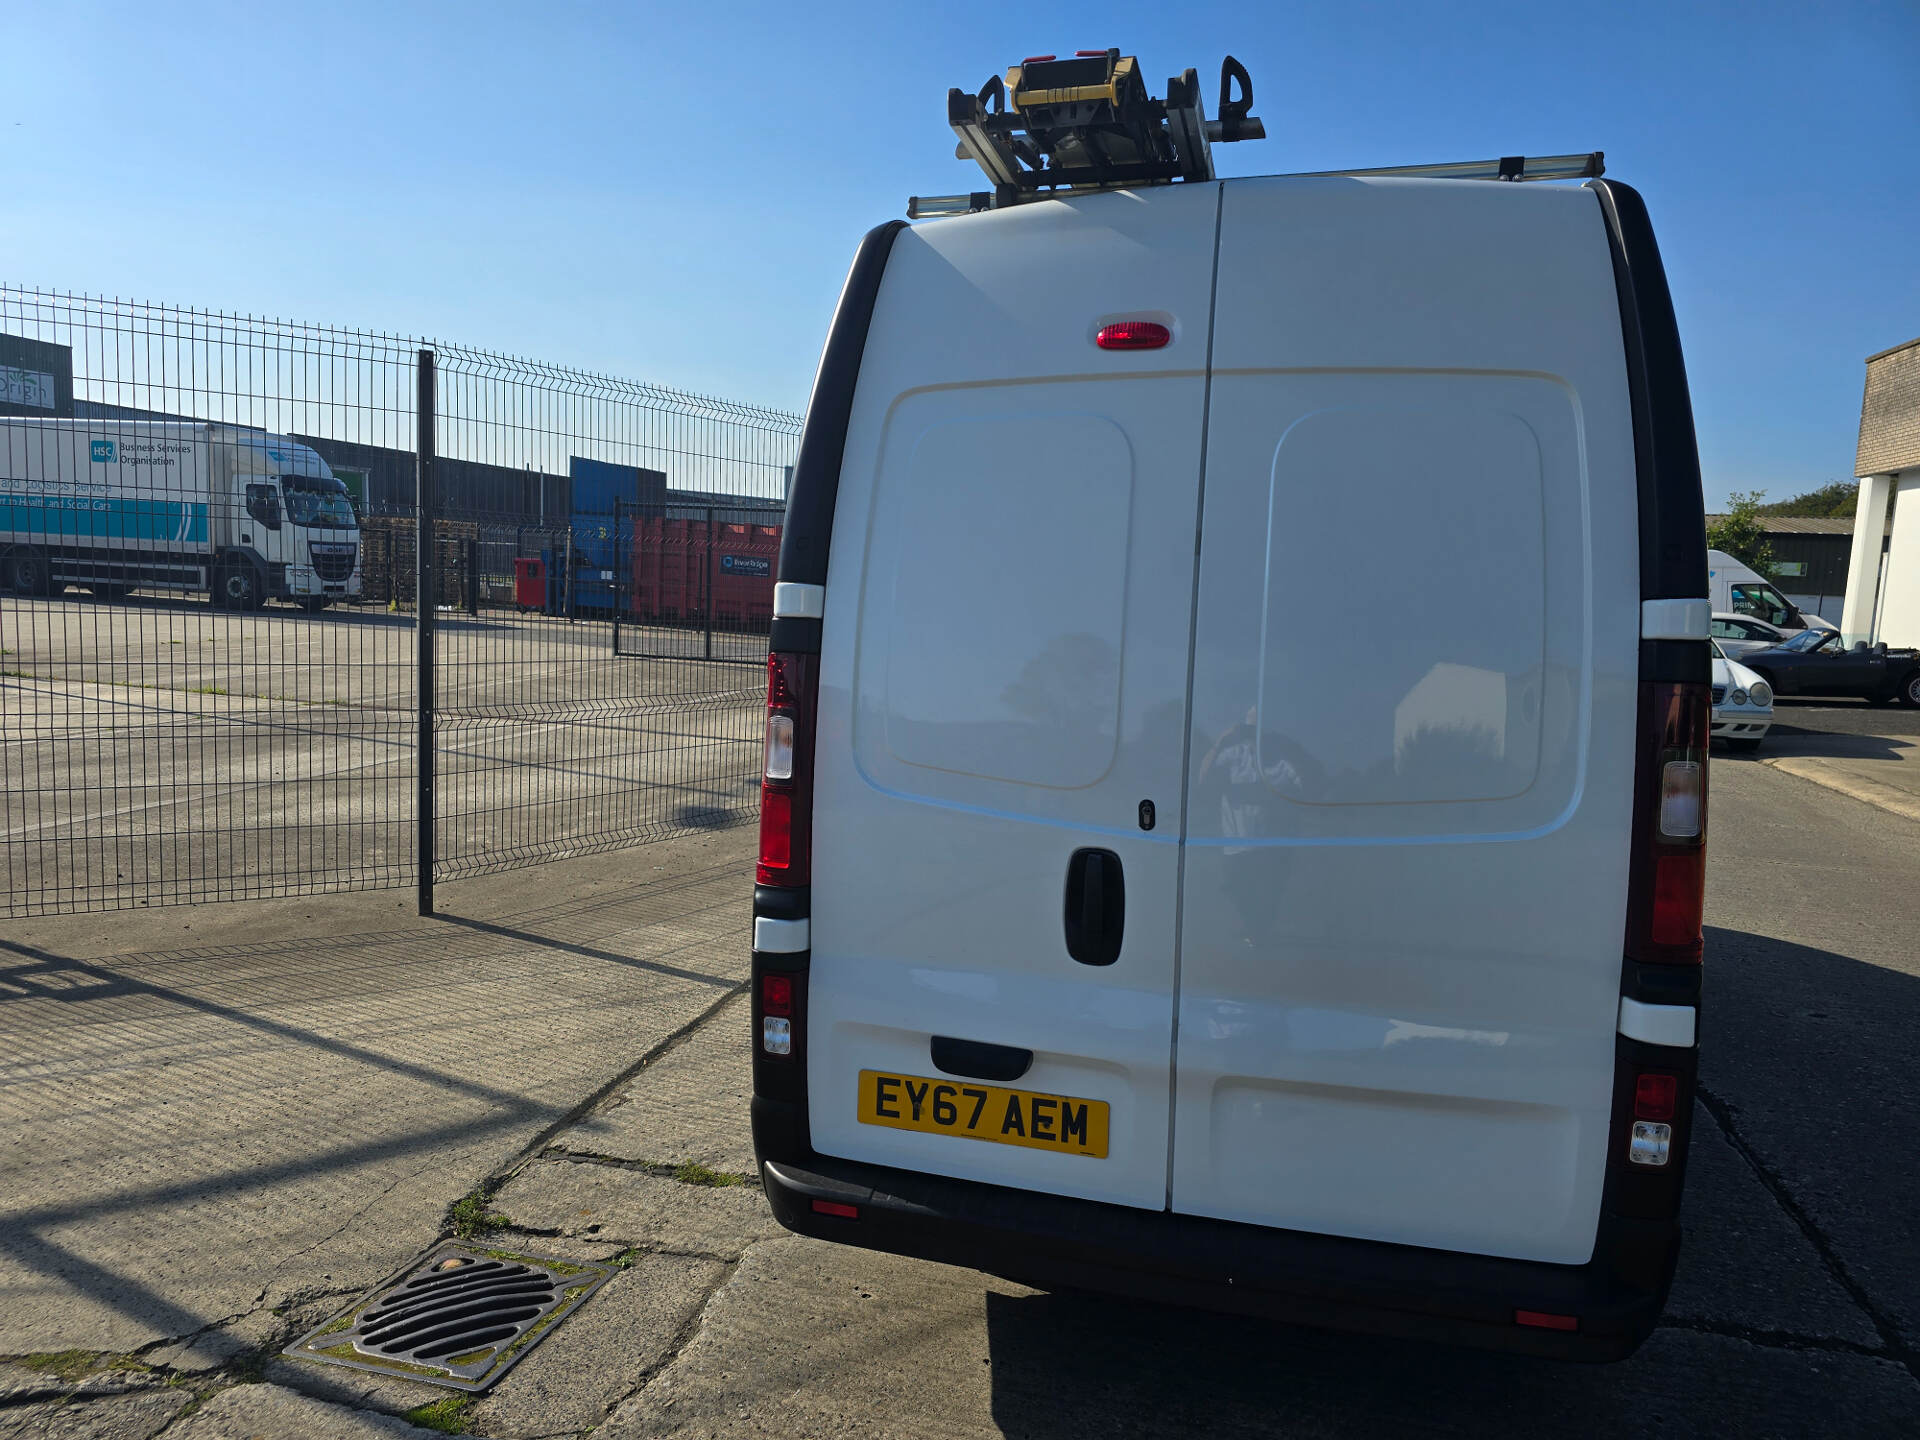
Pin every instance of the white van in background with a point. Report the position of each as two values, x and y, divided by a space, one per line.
1115 930
1739 589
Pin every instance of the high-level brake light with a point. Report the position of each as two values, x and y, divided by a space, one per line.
1132 335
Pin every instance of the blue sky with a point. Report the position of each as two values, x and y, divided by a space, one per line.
672 192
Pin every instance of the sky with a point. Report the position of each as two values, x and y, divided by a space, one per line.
672 193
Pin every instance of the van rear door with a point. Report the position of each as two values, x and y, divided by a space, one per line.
1412 757
1003 690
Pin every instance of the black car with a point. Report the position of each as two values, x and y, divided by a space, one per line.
1819 662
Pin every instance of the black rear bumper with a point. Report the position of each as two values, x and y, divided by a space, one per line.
1051 1242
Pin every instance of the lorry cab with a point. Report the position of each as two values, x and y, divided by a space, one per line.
1115 930
303 527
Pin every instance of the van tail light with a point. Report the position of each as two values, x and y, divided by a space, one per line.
786 776
779 995
1668 875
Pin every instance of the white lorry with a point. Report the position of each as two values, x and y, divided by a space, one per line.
120 505
1738 589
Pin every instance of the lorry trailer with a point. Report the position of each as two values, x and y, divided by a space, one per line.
119 505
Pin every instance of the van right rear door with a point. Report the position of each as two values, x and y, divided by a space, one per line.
1411 768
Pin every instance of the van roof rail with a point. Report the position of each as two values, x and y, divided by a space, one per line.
1087 123
1588 166
1034 183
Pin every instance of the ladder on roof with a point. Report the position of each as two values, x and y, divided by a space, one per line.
1088 123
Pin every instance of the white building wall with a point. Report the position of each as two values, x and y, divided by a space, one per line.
1900 591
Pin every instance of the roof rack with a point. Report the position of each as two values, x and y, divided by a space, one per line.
1087 123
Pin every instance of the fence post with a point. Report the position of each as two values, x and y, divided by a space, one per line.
473 577
619 569
426 607
712 561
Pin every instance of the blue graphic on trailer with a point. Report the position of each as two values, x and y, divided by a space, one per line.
179 522
103 452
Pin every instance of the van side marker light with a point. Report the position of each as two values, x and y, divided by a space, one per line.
836 1209
1657 1024
793 601
1545 1320
1675 619
1132 335
781 937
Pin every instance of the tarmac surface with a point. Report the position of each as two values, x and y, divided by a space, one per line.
163 750
218 1137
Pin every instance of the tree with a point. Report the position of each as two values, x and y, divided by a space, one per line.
1834 501
1741 532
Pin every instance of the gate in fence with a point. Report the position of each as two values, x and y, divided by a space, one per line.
230 669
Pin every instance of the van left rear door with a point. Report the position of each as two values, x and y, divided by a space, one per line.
1003 688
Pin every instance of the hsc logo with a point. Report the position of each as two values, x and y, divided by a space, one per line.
104 452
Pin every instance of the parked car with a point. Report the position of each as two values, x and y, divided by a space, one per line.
1742 703
1817 662
1043 794
1739 635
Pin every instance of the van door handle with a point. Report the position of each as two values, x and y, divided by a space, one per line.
1096 910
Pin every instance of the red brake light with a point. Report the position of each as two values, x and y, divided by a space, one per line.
1087 54
776 995
1132 335
834 1207
1546 1320
1654 1096
1036 59
1667 888
786 779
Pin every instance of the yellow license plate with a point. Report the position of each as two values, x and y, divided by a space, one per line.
1059 1123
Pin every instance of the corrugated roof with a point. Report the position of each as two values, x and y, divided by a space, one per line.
1805 524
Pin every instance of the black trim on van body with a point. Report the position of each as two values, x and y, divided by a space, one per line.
1673 525
1052 1242
823 436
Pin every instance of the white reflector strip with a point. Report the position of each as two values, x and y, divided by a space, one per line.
1656 1024
792 601
1675 619
787 937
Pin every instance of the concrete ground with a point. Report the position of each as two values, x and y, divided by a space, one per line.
1869 753
272 1134
148 745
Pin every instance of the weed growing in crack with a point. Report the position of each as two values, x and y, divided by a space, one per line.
471 1216
443 1415
61 1364
692 1172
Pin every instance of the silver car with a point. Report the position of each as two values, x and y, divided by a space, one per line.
1742 702
1742 634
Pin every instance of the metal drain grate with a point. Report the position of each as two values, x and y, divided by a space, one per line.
460 1317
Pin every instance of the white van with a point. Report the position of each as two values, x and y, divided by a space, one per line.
1114 929
1739 589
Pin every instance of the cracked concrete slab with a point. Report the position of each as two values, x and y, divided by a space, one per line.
807 1339
137 1416
654 1212
690 1104
1744 1264
269 1412
192 1133
631 1327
